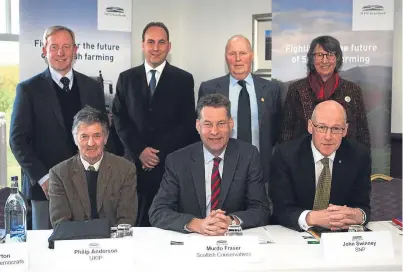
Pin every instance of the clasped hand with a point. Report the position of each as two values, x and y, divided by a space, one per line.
215 224
335 217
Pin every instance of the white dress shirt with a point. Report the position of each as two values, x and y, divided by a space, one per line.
158 72
317 157
95 165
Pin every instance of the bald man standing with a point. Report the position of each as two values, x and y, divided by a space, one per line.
322 179
255 102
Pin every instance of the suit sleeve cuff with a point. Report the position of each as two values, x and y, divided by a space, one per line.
302 220
42 180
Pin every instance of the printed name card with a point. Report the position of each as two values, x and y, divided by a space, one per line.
95 254
354 245
14 257
224 249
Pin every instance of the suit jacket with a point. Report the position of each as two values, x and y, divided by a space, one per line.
116 191
165 121
38 136
301 101
182 195
269 110
293 179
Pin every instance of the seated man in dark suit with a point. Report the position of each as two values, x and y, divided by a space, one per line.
214 183
322 179
93 184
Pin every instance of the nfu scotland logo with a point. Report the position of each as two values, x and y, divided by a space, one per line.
115 11
373 10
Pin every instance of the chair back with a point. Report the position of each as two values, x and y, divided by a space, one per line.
386 199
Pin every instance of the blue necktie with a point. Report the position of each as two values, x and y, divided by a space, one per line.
153 82
65 81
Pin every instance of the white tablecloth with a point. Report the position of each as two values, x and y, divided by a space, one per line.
289 252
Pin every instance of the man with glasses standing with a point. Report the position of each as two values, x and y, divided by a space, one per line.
42 117
322 179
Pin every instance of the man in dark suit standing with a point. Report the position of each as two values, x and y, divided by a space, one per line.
42 116
214 183
255 102
324 179
154 113
93 184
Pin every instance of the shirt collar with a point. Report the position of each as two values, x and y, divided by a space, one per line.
233 81
56 76
158 68
317 156
208 157
95 165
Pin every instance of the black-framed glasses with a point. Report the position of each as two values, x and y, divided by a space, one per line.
333 130
329 56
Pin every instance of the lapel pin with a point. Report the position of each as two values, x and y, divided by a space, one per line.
262 99
347 99
339 161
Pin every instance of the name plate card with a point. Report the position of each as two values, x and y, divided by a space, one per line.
224 249
95 254
14 257
354 245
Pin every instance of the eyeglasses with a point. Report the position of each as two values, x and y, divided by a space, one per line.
333 130
65 47
329 56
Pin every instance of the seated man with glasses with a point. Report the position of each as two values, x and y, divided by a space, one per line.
322 179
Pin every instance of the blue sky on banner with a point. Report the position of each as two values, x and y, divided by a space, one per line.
295 23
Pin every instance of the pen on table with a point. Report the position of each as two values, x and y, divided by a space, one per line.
313 242
176 243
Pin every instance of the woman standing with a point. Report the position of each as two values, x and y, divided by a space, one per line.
323 83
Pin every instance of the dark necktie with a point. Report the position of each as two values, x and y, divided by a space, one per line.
91 168
322 193
153 82
244 115
65 81
215 184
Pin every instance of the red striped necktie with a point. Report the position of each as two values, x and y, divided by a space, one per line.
215 184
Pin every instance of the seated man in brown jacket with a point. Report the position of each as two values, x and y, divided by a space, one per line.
94 183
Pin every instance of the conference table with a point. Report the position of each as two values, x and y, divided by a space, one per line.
289 252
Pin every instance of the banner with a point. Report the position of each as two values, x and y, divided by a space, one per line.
103 36
364 29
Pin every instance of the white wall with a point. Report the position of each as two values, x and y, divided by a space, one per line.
199 31
397 87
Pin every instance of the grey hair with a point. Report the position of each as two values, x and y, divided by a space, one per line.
313 117
215 101
238 36
90 116
53 29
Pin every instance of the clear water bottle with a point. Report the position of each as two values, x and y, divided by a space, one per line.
15 215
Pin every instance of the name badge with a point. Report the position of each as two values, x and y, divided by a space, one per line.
95 254
225 249
14 257
354 245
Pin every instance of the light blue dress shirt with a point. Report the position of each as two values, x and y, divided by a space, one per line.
234 90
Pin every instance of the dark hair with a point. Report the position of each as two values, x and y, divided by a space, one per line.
157 24
89 116
329 44
215 101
